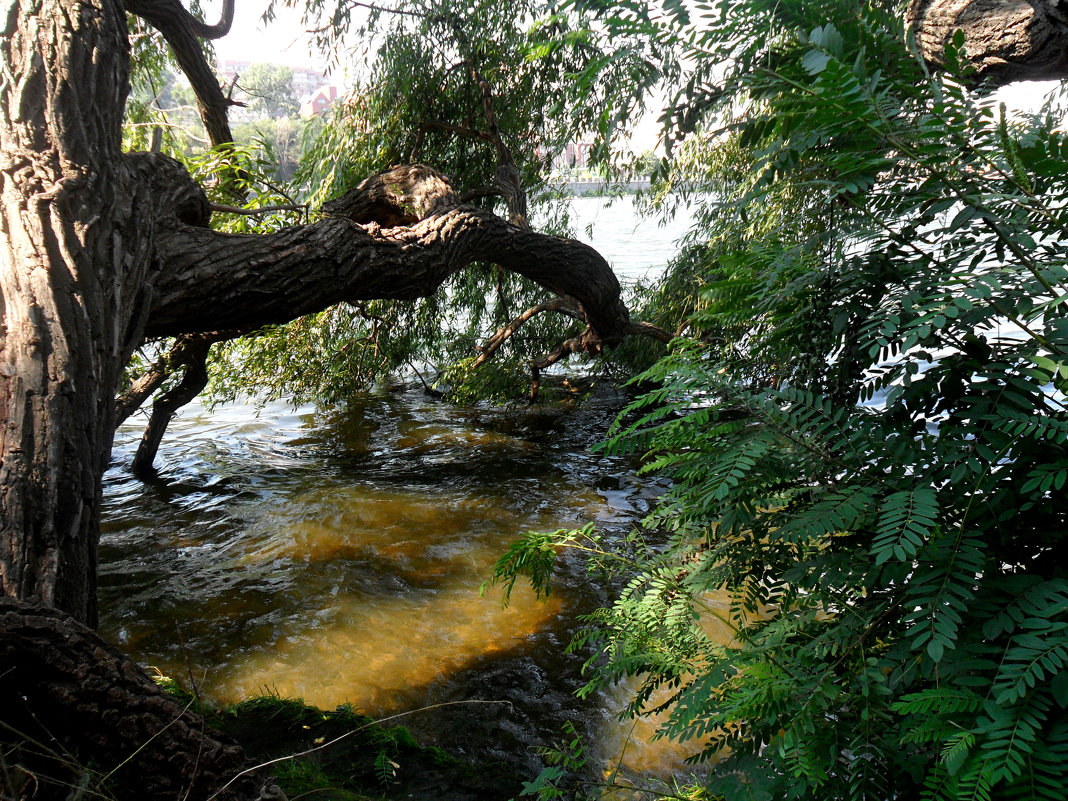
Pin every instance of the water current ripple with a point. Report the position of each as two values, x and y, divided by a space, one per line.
337 555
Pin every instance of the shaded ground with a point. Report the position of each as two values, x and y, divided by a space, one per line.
340 755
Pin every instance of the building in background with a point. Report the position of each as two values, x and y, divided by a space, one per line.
318 102
574 155
231 68
307 80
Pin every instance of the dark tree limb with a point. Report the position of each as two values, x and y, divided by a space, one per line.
183 33
166 406
492 345
220 281
1006 40
89 706
191 353
565 350
643 329
400 234
165 366
172 13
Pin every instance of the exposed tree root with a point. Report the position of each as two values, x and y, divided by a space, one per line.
82 712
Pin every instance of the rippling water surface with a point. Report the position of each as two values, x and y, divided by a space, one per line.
337 556
638 249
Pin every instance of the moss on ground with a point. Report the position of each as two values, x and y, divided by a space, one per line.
341 755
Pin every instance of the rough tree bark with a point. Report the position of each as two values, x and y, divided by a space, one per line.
1006 40
76 265
53 668
71 241
217 281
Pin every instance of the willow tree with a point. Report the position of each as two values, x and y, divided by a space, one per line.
101 249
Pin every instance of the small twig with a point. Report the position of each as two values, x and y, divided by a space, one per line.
371 7
167 124
348 734
429 390
385 10
459 130
223 208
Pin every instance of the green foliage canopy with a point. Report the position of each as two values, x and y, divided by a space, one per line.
869 441
448 87
271 88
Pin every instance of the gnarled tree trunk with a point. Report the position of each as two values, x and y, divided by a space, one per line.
85 714
71 244
1006 40
76 262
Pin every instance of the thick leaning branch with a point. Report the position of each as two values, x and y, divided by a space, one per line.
1006 41
241 281
213 281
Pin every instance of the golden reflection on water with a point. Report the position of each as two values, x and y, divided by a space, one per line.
379 648
421 439
633 744
380 655
415 535
357 582
342 522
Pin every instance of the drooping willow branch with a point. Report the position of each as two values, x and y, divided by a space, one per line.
492 345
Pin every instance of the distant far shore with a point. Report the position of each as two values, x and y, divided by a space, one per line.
599 187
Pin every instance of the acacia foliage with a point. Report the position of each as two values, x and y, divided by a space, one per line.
869 447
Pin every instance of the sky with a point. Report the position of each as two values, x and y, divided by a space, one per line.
1027 96
283 41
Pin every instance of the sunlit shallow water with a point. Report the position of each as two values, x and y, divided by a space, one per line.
337 556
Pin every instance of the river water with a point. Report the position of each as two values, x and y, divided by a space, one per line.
336 555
